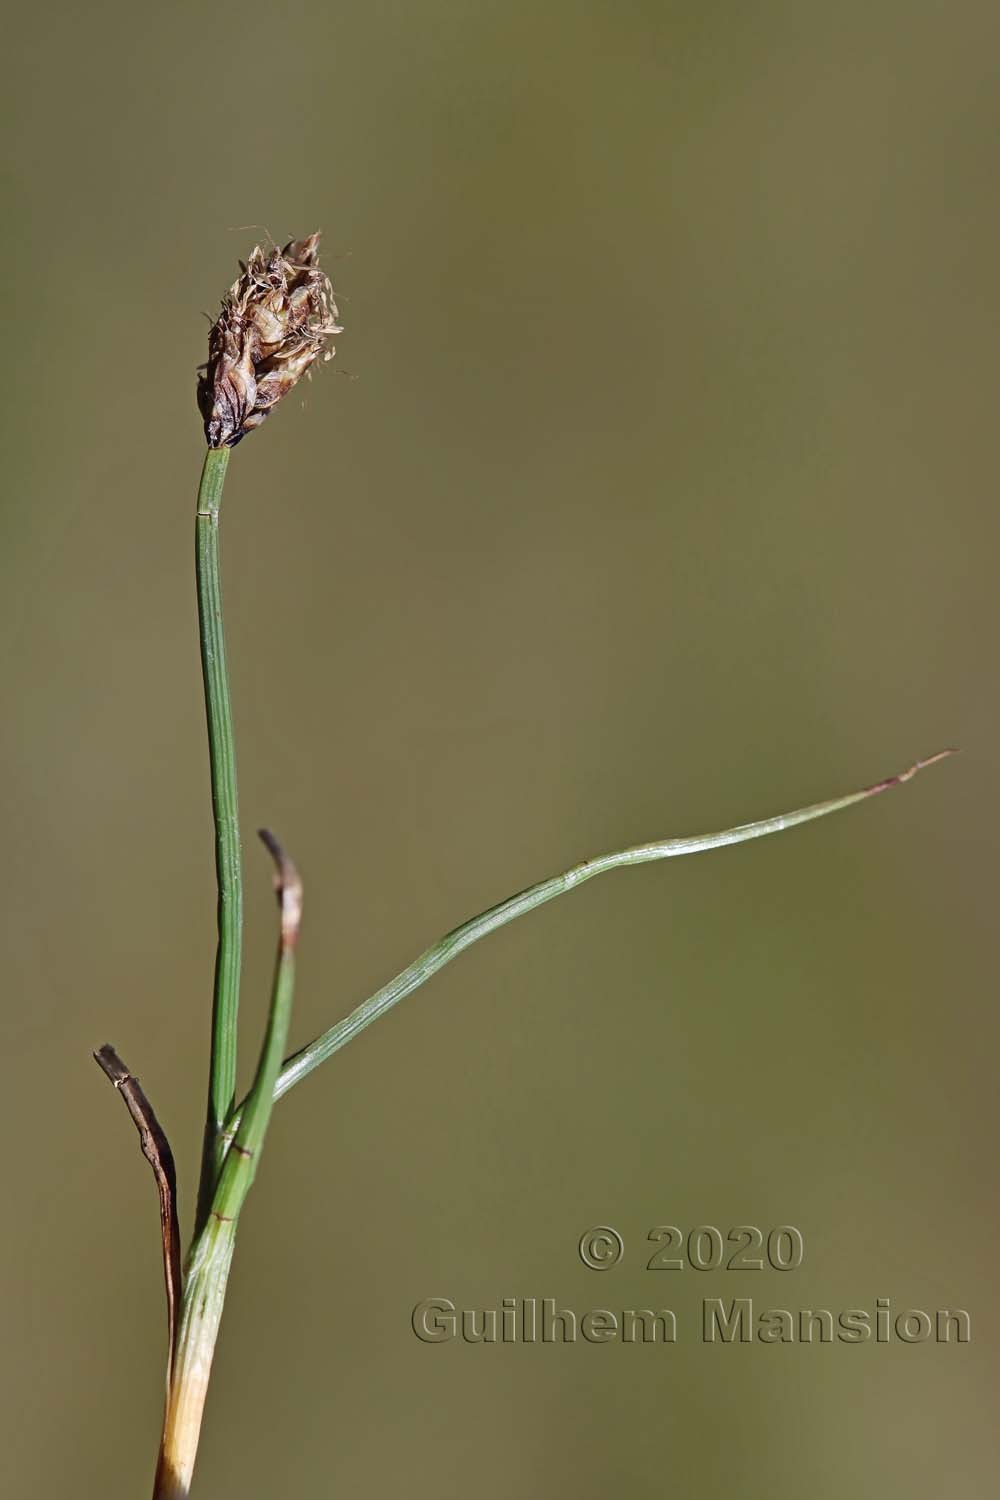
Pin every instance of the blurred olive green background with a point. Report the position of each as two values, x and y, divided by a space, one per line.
663 497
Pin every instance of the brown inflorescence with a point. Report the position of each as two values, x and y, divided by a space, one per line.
276 320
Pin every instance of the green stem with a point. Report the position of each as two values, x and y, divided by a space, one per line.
240 1165
222 756
212 1250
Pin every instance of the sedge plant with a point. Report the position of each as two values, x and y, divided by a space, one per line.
276 321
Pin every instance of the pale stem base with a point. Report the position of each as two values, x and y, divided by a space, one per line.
204 1295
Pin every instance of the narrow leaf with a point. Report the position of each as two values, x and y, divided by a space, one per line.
302 1063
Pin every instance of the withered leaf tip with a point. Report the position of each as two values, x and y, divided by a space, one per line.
276 320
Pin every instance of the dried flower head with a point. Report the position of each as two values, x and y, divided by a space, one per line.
275 321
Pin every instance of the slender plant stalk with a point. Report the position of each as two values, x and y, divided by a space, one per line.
240 1164
212 1252
225 807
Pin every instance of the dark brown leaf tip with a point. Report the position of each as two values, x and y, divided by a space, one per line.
288 885
276 320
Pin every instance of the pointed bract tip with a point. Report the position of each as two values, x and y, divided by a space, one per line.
288 886
910 772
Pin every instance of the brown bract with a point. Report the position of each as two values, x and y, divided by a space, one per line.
275 321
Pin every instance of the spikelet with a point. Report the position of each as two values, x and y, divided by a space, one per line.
276 320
